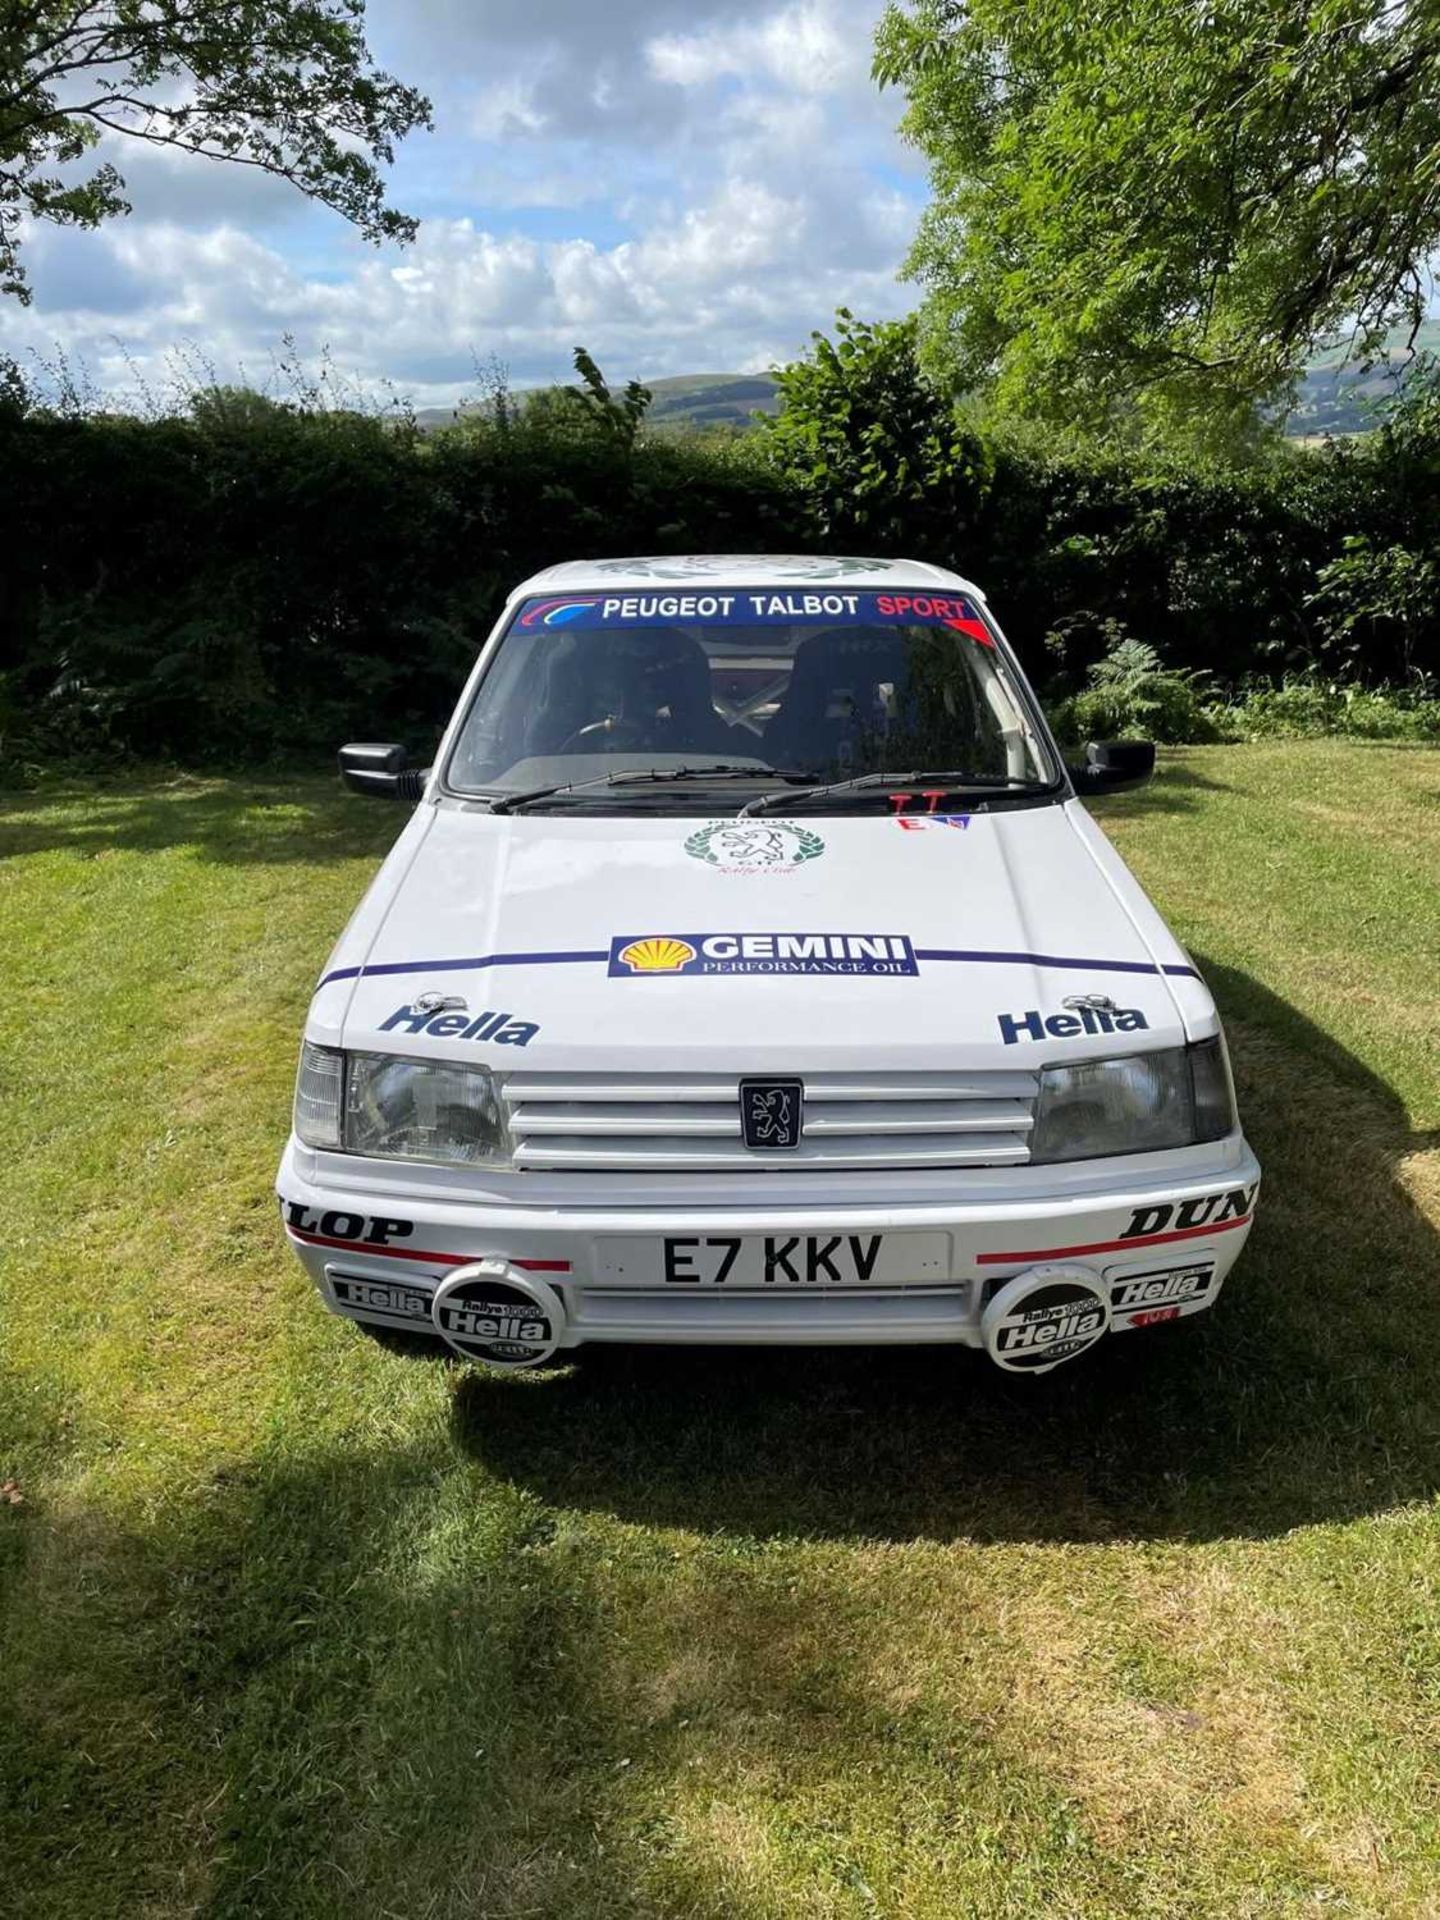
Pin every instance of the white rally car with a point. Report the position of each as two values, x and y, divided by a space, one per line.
747 971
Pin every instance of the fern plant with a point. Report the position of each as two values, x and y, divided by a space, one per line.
1133 695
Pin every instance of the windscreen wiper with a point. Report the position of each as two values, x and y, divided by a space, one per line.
880 783
646 776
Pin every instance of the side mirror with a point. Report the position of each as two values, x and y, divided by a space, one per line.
1113 766
370 767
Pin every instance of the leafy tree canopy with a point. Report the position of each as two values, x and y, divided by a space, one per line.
286 86
884 452
1144 208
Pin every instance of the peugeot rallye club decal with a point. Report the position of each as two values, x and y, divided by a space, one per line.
740 846
639 956
583 610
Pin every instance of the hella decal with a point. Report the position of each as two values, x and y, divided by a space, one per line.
1145 1294
648 955
488 1312
390 1299
495 1316
1183 1216
367 1230
501 1028
1088 1017
1043 1317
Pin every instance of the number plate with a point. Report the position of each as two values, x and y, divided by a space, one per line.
776 1260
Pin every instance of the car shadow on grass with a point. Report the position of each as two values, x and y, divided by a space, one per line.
1310 1394
229 820
366 1680
1174 787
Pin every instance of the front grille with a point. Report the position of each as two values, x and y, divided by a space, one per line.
814 1316
690 1123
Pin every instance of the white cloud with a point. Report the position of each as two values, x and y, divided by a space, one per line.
505 109
715 290
678 191
746 228
811 47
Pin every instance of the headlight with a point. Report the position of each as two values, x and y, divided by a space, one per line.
319 1089
379 1104
422 1110
1136 1104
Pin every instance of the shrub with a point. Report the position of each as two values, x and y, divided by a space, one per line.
1367 590
887 462
1304 709
259 580
258 577
1132 695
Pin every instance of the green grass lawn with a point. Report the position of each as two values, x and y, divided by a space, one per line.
296 1626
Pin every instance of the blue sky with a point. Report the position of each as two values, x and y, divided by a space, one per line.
679 187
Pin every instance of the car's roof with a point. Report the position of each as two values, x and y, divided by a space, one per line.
780 570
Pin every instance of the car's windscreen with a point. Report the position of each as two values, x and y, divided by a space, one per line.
828 685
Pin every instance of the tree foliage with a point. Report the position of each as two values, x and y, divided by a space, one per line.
617 420
1154 210
880 446
285 86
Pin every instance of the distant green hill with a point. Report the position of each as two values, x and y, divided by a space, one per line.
681 401
711 399
1335 395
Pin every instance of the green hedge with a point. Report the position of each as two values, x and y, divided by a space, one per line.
254 580
234 589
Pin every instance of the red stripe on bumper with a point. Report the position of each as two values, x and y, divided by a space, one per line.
1112 1246
416 1253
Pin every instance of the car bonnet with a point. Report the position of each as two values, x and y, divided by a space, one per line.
647 941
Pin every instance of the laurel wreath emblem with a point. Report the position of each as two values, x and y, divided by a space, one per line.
808 845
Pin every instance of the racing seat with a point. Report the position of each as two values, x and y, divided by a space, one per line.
688 710
842 694
647 688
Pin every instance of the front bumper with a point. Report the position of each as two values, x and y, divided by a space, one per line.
1155 1247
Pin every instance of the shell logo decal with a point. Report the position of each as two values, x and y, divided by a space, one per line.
660 953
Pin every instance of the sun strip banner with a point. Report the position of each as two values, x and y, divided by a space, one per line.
756 607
